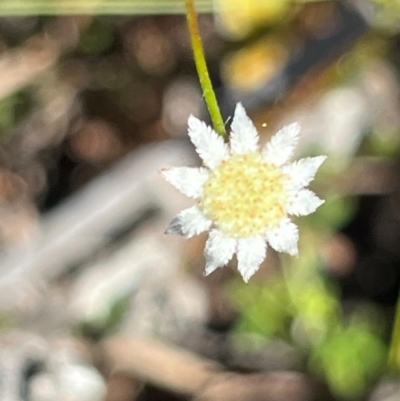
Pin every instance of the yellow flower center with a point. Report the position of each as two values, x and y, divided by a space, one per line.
245 195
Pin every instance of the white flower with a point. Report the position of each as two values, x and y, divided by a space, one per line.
244 196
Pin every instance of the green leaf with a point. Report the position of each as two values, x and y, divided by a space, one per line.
68 7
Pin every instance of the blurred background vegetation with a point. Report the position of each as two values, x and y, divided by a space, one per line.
84 85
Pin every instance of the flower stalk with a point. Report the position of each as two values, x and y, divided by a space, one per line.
202 70
394 350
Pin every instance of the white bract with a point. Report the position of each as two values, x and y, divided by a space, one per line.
244 196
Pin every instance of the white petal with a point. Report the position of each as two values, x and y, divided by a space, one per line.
209 145
280 148
285 237
219 250
251 252
187 180
303 171
303 202
244 136
189 222
175 227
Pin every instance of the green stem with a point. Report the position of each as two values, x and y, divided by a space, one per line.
202 70
394 350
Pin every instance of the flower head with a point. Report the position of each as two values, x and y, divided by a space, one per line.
244 195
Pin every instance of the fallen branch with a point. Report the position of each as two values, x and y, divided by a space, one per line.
187 374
